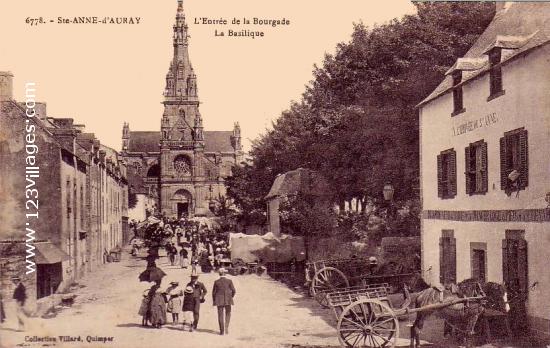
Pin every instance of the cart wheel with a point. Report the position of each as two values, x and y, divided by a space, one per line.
368 323
328 279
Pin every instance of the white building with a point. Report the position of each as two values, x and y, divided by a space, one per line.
485 165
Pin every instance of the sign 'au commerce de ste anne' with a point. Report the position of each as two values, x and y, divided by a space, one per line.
469 126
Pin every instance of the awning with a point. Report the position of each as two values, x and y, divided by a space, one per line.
47 253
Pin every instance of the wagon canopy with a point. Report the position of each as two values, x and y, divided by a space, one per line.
267 247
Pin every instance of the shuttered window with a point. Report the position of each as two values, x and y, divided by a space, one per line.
515 263
495 74
458 103
476 168
478 255
446 174
447 257
514 156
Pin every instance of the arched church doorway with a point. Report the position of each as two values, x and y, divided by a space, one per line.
182 203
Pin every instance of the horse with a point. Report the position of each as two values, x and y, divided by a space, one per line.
459 316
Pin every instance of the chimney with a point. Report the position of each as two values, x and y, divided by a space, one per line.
40 109
6 85
79 127
63 123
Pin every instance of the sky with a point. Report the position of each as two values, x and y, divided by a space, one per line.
104 75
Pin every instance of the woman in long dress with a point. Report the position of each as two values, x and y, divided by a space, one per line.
157 306
184 261
173 294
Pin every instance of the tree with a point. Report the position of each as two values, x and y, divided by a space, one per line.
226 211
132 199
356 123
306 215
247 188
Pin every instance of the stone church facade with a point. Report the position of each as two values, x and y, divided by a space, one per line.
181 167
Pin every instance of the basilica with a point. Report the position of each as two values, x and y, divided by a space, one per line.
180 169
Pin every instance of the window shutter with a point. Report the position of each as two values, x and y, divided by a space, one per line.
442 254
505 271
476 272
452 260
467 154
439 176
522 266
484 168
524 158
452 174
503 165
498 80
447 260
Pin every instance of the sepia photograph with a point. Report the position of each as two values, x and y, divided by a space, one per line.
274 174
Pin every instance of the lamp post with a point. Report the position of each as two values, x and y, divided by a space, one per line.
388 192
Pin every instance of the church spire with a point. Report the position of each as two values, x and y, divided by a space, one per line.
180 33
180 79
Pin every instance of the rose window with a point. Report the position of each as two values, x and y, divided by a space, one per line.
182 165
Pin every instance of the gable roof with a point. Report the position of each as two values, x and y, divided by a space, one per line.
214 141
517 28
144 142
299 180
218 141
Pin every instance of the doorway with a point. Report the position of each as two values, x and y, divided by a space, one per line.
515 275
183 210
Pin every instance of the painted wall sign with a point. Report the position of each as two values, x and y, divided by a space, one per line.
470 126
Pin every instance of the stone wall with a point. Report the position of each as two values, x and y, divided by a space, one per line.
13 264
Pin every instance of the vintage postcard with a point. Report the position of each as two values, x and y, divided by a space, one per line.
295 174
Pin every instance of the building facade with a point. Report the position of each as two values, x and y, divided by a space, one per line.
75 178
182 167
485 174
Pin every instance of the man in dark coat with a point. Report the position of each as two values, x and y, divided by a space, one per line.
222 295
2 312
199 293
20 296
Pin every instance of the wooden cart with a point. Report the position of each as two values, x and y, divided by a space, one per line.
366 317
354 273
328 275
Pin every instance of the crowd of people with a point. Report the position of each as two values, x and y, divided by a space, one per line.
187 244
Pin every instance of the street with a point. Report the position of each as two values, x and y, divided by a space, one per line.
266 314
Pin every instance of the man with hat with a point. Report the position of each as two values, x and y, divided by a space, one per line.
199 292
222 295
373 265
188 308
20 296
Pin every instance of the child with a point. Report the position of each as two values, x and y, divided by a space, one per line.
144 309
173 297
194 263
188 307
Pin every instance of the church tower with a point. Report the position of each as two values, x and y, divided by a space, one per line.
181 101
182 142
180 170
